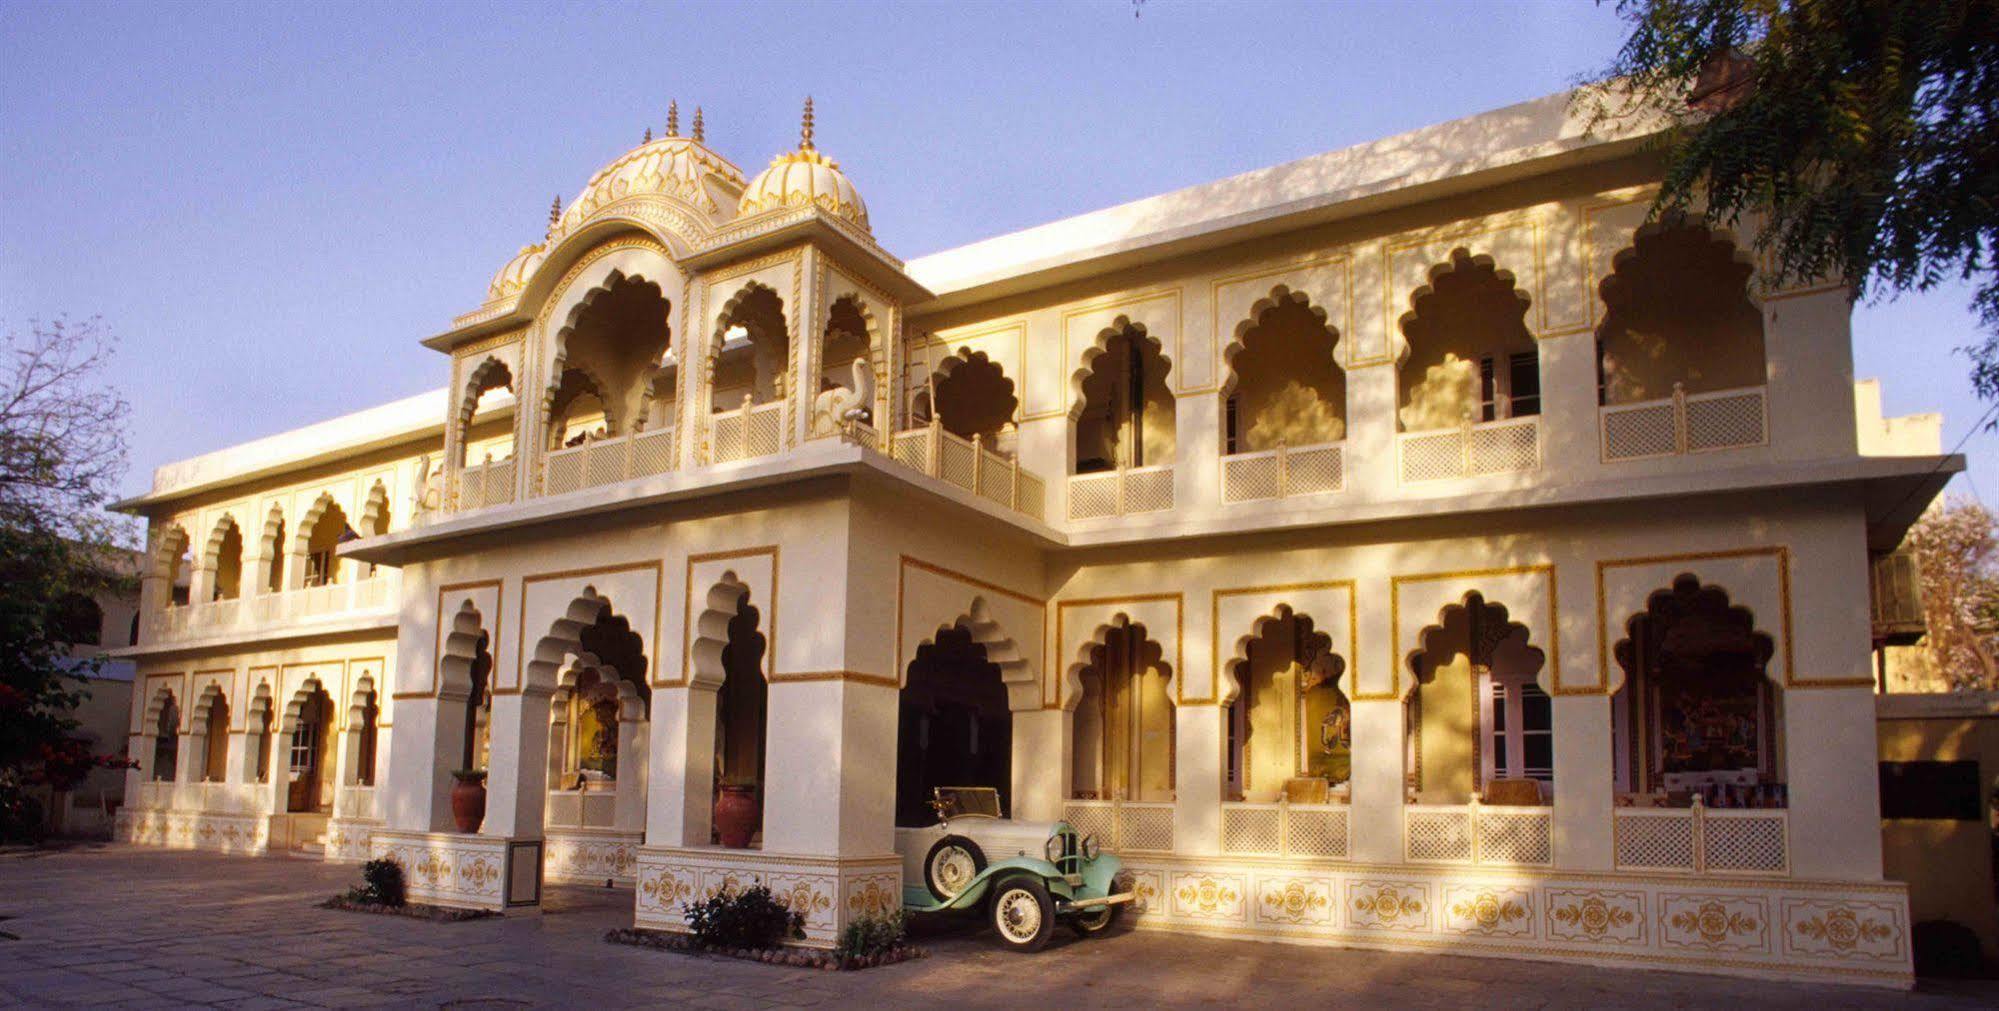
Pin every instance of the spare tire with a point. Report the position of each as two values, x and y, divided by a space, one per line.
951 865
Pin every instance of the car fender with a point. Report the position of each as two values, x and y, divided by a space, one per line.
998 869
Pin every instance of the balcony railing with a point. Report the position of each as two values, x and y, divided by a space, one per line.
751 431
1307 831
1478 834
1686 423
1124 826
1283 472
486 484
1509 446
1698 840
607 461
990 475
1121 491
273 611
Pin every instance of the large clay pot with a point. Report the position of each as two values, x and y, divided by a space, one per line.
468 802
736 815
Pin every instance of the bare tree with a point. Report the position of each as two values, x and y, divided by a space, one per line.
1958 551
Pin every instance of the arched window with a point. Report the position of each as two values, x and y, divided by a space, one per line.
489 384
1284 386
616 337
577 412
1126 416
1123 730
176 568
215 738
845 341
229 562
275 548
309 751
76 620
1470 356
323 537
1678 313
365 757
166 743
1289 719
478 708
975 399
955 727
752 356
592 734
1476 722
743 707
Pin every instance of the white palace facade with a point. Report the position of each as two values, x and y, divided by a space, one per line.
1407 547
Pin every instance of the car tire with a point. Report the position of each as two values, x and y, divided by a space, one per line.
1022 913
950 866
1098 921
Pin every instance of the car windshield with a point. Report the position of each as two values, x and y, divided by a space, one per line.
966 801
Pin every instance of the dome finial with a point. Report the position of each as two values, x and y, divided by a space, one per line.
648 139
554 213
805 127
673 119
700 132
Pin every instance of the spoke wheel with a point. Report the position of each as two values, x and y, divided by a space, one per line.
1023 914
1098 920
951 866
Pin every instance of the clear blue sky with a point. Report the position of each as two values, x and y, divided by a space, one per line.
272 203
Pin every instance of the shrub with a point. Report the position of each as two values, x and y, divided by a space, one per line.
381 884
751 918
872 935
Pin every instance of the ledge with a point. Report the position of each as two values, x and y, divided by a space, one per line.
336 624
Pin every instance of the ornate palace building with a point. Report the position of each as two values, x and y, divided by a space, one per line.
1406 547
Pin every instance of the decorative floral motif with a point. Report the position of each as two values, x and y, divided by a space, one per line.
1389 905
1207 896
1844 929
872 897
1295 900
1735 924
1491 912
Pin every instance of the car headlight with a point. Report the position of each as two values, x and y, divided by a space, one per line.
1053 848
1091 848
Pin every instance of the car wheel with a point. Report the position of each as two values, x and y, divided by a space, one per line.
1097 921
1023 913
951 865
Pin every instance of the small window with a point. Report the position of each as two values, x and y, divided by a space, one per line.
1941 791
1524 376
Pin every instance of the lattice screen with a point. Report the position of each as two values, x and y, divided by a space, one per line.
1431 456
1092 495
1745 842
955 462
727 438
1725 422
1251 830
603 463
499 482
1437 836
1246 478
1515 837
1639 431
1655 841
1506 448
565 473
652 452
1148 490
996 477
1033 499
1320 832
1093 819
1146 828
912 450
766 433
472 488
1309 471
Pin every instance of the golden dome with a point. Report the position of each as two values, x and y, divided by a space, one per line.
679 167
514 276
804 178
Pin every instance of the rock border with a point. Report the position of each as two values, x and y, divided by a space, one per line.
413 910
797 958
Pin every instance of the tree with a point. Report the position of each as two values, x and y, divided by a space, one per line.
1863 133
62 446
1957 550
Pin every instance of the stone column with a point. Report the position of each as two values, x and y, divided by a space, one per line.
1583 787
681 766
1375 822
1197 780
1042 763
634 733
1835 795
517 773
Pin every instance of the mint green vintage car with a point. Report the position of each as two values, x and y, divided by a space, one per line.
1027 874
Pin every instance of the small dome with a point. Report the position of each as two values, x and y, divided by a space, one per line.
674 166
804 178
514 276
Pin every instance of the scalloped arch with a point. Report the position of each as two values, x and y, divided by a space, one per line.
295 706
302 537
162 697
1087 360
490 374
211 554
1227 685
461 650
1022 688
1460 259
1689 596
174 541
558 362
1434 637
1623 258
563 640
1280 295
1072 675
725 599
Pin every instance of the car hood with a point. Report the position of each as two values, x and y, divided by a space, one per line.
995 834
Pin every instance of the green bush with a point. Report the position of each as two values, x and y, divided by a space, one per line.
871 935
751 918
381 884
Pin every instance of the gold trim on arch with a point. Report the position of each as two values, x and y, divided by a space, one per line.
492 637
1554 634
687 610
520 631
1782 555
1061 664
1343 257
908 562
1179 359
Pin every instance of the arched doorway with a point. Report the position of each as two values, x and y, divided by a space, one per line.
309 753
955 726
1123 731
742 710
1478 724
1289 719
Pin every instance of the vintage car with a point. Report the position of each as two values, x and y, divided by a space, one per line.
1028 874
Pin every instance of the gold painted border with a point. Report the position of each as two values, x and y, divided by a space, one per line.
520 629
1395 583
687 610
1343 256
1215 642
1781 553
1179 360
970 332
1458 236
1179 644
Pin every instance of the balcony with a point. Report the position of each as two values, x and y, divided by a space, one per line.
931 450
751 431
1283 472
1120 492
606 461
486 484
1686 423
1124 826
1508 446
275 612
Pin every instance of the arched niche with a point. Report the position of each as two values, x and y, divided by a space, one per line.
1123 725
210 729
223 559
258 721
320 532
1475 712
975 399
1288 715
1123 411
750 350
486 385
162 730
307 728
1678 314
1467 352
615 334
272 548
729 659
173 567
1284 385
1699 709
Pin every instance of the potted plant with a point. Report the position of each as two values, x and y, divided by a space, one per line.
468 799
737 811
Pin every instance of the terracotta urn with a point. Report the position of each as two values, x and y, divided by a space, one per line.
468 799
736 814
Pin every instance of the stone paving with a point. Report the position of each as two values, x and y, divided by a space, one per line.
107 926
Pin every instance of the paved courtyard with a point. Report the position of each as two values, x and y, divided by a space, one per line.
105 926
